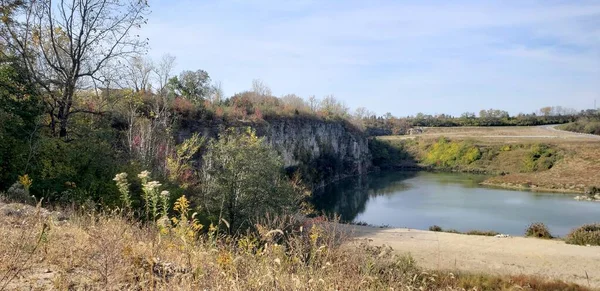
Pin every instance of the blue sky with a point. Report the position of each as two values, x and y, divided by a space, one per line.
401 57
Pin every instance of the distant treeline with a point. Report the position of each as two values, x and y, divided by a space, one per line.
391 125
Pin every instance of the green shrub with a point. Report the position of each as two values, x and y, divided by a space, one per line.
484 232
435 228
446 153
540 157
587 234
538 230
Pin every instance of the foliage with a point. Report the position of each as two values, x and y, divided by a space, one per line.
184 225
588 234
20 110
389 154
540 157
75 171
190 85
538 230
589 125
447 153
179 164
435 228
391 125
61 54
242 179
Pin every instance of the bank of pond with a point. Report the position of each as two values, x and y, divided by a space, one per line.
454 201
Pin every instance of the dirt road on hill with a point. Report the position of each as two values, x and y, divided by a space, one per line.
481 254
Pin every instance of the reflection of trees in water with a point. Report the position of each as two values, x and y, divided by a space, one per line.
348 198
389 183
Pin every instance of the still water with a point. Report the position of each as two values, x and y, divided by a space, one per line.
453 201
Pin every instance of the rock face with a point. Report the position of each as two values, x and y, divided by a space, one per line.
322 151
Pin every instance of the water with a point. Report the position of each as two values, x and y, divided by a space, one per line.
453 201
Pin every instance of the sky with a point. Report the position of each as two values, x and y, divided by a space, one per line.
401 57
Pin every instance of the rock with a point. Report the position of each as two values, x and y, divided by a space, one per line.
302 141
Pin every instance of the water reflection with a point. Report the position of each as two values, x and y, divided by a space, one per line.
451 200
347 198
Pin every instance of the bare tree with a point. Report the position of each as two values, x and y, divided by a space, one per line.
139 70
163 72
62 43
260 88
217 95
314 103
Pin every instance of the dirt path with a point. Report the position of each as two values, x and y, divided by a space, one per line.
491 255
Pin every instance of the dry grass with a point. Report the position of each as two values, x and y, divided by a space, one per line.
109 252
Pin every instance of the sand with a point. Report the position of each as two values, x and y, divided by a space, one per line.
491 255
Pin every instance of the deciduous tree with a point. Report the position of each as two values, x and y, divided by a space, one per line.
65 44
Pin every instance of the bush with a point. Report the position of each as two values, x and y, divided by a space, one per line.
482 232
587 234
446 153
538 230
435 228
540 157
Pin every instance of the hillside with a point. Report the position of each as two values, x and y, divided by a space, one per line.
519 157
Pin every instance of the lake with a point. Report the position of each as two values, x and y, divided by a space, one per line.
451 200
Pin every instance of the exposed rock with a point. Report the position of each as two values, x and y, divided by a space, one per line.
331 149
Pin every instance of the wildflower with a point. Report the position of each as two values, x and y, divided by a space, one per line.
120 177
150 186
144 175
164 193
123 186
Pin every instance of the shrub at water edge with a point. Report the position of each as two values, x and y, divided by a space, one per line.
539 230
587 234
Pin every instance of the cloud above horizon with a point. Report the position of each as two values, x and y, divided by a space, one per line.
401 57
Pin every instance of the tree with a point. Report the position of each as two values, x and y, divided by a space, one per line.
546 111
332 107
294 102
260 88
217 95
243 179
19 119
139 71
65 44
193 86
162 72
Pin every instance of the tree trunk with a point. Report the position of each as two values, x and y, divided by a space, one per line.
64 110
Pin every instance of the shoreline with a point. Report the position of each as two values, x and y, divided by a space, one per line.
514 255
531 189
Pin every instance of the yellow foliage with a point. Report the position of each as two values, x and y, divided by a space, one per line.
25 181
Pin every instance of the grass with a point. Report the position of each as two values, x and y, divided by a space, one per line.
98 251
588 234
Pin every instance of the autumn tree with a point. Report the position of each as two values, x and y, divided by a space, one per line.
65 44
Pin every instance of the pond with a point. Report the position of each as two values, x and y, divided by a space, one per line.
451 200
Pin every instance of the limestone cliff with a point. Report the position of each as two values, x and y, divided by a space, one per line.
322 151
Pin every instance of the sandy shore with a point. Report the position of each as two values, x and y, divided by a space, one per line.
481 254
